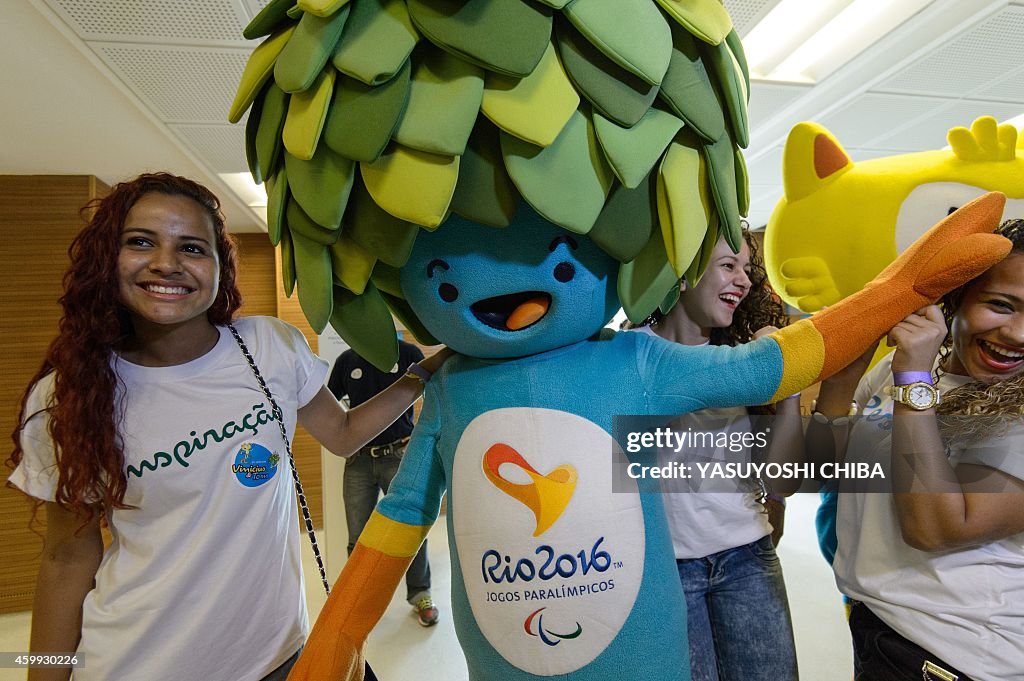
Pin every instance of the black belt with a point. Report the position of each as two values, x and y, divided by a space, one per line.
389 449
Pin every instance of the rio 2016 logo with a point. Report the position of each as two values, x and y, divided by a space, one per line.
549 637
497 568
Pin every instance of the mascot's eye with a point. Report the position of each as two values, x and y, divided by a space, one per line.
952 209
564 272
448 293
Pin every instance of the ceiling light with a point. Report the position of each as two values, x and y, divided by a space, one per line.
252 194
788 25
854 29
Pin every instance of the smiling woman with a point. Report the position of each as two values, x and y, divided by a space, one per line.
159 412
947 407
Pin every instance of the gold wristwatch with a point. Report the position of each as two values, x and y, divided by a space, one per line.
917 395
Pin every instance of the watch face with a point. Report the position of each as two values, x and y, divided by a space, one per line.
921 396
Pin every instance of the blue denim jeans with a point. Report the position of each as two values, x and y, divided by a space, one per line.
366 478
738 615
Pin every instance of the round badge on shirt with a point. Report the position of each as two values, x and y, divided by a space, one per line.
356 374
254 464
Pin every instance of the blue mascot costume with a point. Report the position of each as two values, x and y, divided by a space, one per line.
502 175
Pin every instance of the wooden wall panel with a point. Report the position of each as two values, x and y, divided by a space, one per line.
256 275
305 448
39 216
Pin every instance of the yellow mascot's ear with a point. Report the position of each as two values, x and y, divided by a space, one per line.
813 156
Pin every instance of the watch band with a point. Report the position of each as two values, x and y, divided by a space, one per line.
903 394
908 377
418 372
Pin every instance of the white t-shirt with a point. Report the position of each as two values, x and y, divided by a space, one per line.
967 605
706 522
203 579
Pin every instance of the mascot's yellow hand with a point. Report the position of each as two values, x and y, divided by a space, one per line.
809 280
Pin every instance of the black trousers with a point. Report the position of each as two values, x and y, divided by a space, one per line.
881 654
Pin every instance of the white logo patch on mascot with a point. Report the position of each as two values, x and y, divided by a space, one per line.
569 557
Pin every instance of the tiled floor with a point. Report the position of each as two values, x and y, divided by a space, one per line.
401 650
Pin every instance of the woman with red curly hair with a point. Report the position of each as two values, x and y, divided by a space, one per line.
157 411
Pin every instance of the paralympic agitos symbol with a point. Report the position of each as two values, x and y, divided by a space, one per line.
544 634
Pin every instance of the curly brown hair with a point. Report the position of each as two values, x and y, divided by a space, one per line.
83 418
760 308
1001 399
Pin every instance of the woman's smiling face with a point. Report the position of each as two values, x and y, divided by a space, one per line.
988 327
726 282
168 265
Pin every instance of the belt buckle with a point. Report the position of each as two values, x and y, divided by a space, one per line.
374 452
931 670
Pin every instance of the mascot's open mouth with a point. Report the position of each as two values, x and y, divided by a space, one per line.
513 311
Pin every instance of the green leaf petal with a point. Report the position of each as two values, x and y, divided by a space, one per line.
721 160
632 33
308 50
379 232
688 91
485 193
444 99
365 323
363 118
412 185
644 281
683 197
534 108
377 41
277 199
269 19
507 36
321 185
633 152
307 112
614 92
257 71
705 19
313 275
627 220
568 181
268 135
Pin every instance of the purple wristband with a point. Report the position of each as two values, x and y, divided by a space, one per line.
908 377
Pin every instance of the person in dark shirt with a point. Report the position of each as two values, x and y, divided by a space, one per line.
369 472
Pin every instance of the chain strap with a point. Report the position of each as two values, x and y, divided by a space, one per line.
279 415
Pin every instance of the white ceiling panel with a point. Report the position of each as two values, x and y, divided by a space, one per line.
929 132
972 61
768 99
1008 89
179 83
177 21
766 168
873 115
254 6
746 13
221 146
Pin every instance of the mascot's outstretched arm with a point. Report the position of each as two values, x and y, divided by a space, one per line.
954 251
390 540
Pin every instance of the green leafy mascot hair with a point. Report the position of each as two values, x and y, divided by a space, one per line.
616 119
